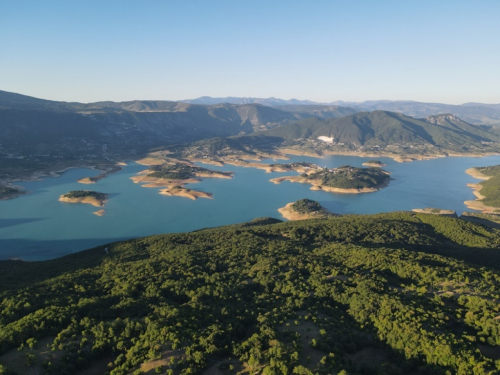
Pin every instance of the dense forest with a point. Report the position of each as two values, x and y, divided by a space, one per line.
399 293
347 177
306 206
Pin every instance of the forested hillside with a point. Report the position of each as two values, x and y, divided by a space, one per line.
399 293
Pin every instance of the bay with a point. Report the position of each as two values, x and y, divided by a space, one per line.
37 226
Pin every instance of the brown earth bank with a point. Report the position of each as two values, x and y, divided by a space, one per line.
289 213
435 211
90 200
477 204
186 193
99 213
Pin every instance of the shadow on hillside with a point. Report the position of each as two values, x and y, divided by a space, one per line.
17 270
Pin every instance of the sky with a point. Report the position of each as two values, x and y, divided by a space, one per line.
445 51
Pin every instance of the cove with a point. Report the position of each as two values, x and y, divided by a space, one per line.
37 226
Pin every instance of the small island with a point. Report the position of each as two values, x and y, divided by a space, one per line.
304 209
85 196
374 164
10 192
174 175
345 179
488 191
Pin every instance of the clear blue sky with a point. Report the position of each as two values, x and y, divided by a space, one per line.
436 51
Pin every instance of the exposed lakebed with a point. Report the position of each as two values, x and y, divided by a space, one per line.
37 226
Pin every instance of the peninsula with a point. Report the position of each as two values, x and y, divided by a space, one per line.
488 191
85 196
304 209
9 192
173 175
105 172
345 179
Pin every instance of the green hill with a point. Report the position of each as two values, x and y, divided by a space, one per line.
370 132
398 293
385 128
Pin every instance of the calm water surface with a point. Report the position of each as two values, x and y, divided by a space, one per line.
37 226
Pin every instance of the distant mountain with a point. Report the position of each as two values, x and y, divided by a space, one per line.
474 113
207 100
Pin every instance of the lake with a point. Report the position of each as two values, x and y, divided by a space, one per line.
37 226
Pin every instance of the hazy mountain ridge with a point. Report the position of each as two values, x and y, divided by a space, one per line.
475 113
379 132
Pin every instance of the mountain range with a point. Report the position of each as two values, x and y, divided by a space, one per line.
375 132
474 113
40 135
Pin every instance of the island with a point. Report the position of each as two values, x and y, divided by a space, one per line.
345 179
304 209
9 192
174 175
435 211
85 196
374 163
488 191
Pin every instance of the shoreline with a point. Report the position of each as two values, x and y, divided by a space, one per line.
40 175
186 193
316 185
435 211
403 158
477 204
290 214
89 200
173 187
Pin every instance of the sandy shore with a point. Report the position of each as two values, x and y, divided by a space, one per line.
432 211
86 180
173 187
267 167
374 165
99 213
477 204
150 161
90 200
396 157
186 193
476 174
143 178
290 214
316 185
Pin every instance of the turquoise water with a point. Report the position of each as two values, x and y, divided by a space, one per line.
37 226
